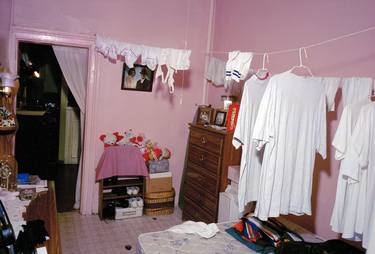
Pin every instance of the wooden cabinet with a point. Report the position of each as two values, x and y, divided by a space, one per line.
115 189
209 154
44 208
8 127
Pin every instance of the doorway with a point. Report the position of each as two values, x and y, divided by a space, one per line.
86 193
48 139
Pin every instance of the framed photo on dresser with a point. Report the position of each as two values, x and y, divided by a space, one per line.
204 114
220 117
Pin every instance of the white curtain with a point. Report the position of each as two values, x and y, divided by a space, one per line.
74 64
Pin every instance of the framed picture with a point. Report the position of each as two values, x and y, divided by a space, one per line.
204 115
138 78
220 117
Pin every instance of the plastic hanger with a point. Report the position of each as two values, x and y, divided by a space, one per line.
263 73
301 65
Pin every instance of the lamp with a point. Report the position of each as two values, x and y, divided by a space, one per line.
7 82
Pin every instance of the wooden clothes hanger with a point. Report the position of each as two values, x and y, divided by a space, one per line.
263 73
301 65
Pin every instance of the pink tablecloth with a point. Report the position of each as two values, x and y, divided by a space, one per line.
122 160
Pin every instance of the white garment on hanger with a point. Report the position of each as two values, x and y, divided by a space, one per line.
371 241
364 146
215 71
238 65
355 89
251 158
291 124
348 212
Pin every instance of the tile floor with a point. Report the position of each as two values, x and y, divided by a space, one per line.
89 235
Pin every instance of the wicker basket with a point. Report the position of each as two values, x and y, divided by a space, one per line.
159 203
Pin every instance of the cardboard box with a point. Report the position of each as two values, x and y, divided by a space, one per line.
159 182
130 212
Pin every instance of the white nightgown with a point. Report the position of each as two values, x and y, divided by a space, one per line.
348 212
364 146
291 124
251 158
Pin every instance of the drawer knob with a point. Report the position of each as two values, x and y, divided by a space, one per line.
201 157
203 140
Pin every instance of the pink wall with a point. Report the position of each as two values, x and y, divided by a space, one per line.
5 19
163 23
268 25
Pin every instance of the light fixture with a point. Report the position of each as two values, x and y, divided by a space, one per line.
7 79
36 74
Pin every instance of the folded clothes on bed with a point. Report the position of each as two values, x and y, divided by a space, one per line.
200 228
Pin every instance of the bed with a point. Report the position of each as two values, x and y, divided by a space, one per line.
222 242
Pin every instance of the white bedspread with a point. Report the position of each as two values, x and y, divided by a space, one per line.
222 243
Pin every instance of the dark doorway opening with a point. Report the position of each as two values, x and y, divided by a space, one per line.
43 101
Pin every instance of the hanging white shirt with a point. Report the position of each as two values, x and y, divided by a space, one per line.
251 158
364 146
371 242
348 212
291 124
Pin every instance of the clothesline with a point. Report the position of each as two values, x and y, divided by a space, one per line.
305 47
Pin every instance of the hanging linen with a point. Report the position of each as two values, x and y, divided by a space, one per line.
291 126
251 158
355 89
173 59
349 209
215 71
112 48
74 66
364 147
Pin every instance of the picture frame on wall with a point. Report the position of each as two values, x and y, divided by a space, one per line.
204 115
139 78
220 117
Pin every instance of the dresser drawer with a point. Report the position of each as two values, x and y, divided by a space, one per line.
204 159
199 196
202 178
206 140
193 212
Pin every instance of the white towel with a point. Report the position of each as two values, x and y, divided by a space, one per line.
199 228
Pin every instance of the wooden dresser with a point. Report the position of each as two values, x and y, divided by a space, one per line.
209 154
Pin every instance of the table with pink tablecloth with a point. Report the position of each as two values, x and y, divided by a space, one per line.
121 160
